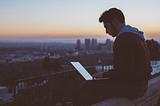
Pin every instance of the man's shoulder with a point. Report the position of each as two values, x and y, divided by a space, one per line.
126 37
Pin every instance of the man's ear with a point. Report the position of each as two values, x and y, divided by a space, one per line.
115 22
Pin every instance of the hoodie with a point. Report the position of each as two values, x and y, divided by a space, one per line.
131 58
128 28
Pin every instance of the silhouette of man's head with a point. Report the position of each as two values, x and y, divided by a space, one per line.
110 14
113 20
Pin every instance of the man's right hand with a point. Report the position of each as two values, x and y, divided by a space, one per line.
98 75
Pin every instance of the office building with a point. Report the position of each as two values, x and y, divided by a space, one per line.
87 44
94 44
78 46
108 45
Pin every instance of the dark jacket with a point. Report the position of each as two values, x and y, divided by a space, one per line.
131 60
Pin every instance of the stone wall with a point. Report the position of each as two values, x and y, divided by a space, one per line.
151 98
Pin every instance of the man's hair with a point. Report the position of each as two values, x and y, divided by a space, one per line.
110 14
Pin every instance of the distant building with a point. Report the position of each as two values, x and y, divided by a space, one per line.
78 46
87 44
112 45
107 41
99 47
94 44
43 47
104 48
109 45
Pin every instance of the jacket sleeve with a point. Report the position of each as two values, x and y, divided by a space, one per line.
125 48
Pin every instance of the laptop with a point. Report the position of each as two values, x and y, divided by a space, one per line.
84 72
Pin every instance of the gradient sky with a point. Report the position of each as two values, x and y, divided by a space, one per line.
73 18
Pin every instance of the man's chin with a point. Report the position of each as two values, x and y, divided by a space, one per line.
113 35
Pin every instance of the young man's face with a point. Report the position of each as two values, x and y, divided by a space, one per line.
110 29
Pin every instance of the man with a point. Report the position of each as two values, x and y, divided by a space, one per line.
131 61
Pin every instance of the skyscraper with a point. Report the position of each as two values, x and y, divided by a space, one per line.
87 44
107 41
78 47
108 44
94 44
112 45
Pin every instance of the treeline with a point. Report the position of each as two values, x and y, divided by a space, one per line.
154 49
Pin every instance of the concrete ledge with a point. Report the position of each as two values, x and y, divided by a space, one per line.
151 97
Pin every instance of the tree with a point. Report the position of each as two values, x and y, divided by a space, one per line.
10 82
154 48
46 63
56 65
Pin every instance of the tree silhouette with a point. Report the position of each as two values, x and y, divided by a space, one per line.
56 65
154 48
46 63
10 82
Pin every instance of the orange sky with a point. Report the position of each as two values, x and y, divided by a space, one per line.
65 32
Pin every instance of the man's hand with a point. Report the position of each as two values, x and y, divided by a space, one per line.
98 75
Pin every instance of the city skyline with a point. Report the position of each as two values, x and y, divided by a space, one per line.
39 40
45 40
60 20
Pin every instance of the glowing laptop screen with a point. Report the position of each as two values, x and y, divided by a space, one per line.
82 70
